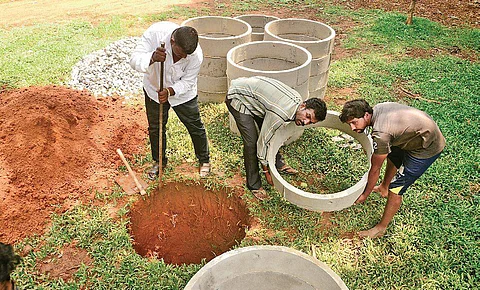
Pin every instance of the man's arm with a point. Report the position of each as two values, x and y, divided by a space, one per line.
373 174
142 56
269 126
190 76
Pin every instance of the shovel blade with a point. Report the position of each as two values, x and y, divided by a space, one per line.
128 184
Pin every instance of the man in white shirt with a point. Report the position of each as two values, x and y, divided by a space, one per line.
182 57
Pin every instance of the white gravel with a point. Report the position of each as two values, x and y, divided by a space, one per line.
106 72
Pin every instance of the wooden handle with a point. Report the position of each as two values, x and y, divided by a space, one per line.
132 174
160 129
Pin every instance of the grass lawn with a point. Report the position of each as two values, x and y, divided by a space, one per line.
433 241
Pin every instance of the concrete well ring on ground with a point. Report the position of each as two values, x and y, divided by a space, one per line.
312 201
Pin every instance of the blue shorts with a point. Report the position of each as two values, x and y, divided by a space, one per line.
409 169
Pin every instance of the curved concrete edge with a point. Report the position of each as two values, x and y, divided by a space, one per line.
318 93
318 48
240 30
257 22
211 97
317 82
212 84
311 201
214 66
262 50
297 77
320 65
257 259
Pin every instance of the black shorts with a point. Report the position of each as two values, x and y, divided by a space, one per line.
410 168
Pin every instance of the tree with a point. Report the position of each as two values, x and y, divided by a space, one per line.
410 12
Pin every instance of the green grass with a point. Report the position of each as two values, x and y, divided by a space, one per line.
325 166
432 243
390 32
44 54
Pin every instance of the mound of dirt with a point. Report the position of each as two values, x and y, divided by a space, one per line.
57 147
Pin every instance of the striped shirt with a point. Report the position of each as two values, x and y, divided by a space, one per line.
266 98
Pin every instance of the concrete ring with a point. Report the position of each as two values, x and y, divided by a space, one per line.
256 266
311 201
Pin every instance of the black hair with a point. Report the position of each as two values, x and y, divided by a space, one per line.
187 38
354 109
319 108
8 261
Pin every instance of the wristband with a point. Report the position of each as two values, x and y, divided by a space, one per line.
168 93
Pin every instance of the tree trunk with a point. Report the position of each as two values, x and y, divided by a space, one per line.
410 12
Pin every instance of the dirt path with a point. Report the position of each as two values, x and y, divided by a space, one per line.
27 12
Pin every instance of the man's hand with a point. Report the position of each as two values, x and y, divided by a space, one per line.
373 174
163 96
158 55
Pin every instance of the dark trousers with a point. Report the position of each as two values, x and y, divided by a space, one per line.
189 115
247 126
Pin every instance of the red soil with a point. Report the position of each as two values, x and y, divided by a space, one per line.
184 223
57 146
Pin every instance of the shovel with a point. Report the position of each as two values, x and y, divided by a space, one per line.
132 174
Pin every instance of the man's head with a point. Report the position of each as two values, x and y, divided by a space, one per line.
8 262
311 111
357 114
184 41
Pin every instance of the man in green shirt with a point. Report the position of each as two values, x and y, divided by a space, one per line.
410 141
267 103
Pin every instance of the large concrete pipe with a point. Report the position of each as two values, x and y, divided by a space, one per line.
286 62
316 37
265 268
257 22
217 35
313 201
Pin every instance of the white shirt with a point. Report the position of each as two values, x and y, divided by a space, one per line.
181 76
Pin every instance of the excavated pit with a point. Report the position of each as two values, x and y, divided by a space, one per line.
185 223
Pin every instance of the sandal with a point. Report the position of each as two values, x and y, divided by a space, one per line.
204 170
152 173
261 194
287 170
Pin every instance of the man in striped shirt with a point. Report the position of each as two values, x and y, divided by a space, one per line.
267 104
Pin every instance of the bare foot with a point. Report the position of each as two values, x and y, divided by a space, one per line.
373 233
383 190
362 198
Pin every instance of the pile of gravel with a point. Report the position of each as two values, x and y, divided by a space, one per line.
107 72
